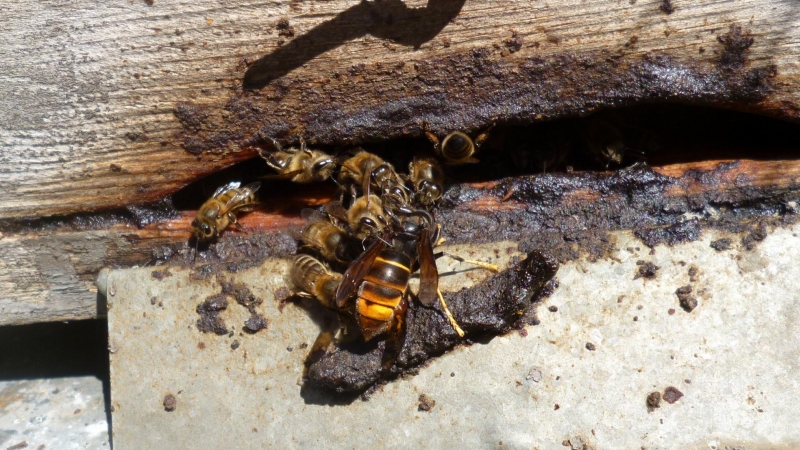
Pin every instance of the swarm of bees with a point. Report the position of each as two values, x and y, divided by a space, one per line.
363 176
358 253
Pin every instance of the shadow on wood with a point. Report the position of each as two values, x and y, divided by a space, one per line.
389 19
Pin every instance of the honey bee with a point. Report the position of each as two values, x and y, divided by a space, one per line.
610 142
299 165
366 170
427 178
366 216
308 277
220 211
394 197
331 241
457 147
605 142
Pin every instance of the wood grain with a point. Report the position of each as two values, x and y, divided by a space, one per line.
50 275
89 90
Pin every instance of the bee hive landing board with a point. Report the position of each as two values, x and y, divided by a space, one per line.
608 340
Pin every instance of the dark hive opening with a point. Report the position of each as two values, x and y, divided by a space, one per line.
657 134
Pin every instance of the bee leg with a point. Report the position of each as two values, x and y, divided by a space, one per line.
449 315
321 346
485 265
437 146
234 222
303 148
482 137
196 246
354 193
270 141
436 238
346 333
365 187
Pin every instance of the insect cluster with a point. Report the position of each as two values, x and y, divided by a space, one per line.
365 176
358 253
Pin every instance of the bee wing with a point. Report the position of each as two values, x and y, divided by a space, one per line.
336 210
227 187
428 273
365 183
347 153
312 215
238 201
253 187
356 272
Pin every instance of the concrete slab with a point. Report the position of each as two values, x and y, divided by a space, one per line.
55 413
581 378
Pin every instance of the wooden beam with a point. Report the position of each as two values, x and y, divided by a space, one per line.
50 274
111 104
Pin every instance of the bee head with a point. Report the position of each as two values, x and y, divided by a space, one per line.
277 161
614 151
202 230
428 192
324 166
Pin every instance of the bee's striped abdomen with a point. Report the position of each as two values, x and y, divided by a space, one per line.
457 146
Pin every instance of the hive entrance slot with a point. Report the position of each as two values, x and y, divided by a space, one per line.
658 135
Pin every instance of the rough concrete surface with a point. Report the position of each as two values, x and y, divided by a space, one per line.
55 413
726 372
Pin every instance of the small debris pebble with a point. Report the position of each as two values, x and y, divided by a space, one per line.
646 270
721 244
672 395
687 301
425 403
653 401
170 403
534 375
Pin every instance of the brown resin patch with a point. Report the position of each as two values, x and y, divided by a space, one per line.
666 7
210 322
464 90
721 244
493 307
255 323
553 211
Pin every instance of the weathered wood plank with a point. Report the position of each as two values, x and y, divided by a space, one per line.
50 275
89 90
